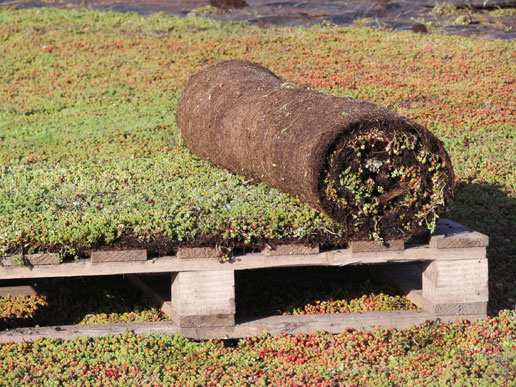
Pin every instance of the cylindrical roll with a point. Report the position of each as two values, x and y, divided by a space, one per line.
371 170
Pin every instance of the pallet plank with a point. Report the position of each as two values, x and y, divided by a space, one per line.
249 261
99 256
452 235
275 325
290 249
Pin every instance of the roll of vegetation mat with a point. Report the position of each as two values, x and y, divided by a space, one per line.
373 171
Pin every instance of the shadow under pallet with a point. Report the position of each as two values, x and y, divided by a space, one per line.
446 278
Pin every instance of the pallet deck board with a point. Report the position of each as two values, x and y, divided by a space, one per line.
290 249
366 246
274 325
43 259
244 262
199 252
450 234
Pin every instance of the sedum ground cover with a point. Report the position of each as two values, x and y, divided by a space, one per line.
90 154
462 354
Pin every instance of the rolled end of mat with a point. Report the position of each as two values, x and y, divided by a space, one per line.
376 173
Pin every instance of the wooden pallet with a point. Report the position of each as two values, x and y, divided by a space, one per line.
447 278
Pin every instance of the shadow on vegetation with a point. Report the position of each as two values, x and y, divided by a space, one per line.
295 290
82 299
488 209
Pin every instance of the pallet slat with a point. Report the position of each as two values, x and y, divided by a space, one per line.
275 325
249 261
43 259
290 249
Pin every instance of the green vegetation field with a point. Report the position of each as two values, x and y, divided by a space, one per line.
90 155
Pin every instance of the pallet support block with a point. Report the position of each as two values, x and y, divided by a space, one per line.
199 252
133 255
456 287
290 249
373 246
203 299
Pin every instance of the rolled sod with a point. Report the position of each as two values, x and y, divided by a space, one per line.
373 171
